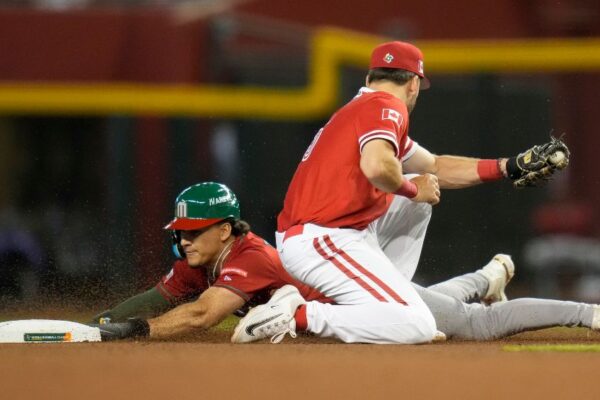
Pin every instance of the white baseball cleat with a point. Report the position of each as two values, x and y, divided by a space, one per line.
273 319
499 271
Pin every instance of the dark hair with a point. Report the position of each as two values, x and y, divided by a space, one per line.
398 76
239 227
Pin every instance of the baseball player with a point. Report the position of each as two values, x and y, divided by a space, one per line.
225 268
353 224
220 260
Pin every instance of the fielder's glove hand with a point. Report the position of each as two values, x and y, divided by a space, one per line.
132 328
538 164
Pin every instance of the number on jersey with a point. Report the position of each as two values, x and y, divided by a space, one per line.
312 145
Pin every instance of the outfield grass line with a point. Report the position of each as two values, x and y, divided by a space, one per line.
563 348
228 324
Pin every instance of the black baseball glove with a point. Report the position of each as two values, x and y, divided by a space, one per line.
538 164
131 328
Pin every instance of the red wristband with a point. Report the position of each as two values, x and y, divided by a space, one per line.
489 170
408 189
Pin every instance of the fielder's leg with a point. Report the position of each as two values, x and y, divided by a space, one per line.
375 303
486 284
380 323
400 233
476 322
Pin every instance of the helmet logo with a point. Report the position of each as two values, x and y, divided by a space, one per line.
218 200
181 211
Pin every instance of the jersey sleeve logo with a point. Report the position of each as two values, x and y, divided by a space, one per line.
169 275
392 115
234 271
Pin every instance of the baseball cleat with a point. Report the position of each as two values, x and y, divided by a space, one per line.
499 271
271 320
439 337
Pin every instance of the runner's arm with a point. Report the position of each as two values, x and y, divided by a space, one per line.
214 305
144 305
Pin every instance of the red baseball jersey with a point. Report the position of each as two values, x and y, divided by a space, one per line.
329 188
251 270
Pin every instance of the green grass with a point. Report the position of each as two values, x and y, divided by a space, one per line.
562 348
228 324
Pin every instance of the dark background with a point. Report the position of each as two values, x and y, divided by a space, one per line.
83 199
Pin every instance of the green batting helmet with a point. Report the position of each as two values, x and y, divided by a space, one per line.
202 205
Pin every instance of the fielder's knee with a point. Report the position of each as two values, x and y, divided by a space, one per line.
414 326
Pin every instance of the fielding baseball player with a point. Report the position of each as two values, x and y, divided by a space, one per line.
226 268
353 224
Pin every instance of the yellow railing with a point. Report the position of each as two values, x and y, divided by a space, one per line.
330 49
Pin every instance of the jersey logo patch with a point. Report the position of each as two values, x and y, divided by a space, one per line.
169 275
392 115
234 271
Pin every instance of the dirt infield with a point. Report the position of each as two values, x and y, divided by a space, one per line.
210 368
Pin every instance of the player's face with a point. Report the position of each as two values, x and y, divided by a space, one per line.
202 246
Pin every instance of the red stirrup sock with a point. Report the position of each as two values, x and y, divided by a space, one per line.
300 317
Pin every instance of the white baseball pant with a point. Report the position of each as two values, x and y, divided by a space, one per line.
400 233
375 302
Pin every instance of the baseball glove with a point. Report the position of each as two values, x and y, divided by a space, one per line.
538 164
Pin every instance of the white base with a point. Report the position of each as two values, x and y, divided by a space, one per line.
47 331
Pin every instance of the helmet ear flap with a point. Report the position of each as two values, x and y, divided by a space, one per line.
176 244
